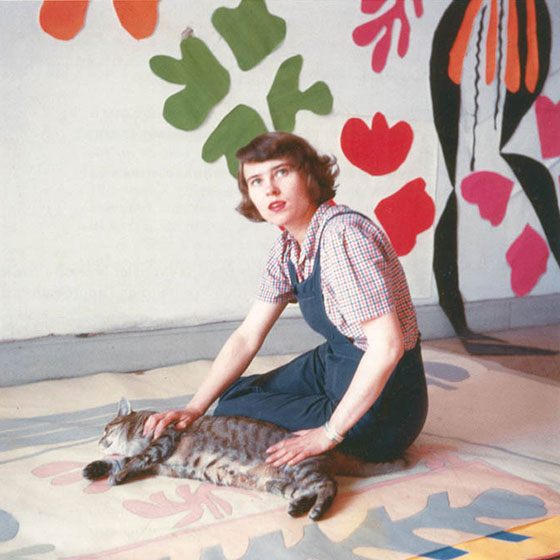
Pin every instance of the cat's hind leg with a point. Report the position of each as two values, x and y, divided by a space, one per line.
318 500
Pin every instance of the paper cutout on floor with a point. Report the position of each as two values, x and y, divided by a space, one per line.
285 98
192 505
63 19
138 17
490 191
207 83
400 534
250 30
9 526
378 150
382 28
548 124
406 214
527 257
235 130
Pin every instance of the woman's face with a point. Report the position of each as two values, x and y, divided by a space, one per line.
281 193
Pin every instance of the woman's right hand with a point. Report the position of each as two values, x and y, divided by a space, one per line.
158 421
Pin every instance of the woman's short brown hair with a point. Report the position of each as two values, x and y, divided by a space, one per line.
321 170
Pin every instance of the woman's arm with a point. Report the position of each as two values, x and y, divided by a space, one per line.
385 349
230 363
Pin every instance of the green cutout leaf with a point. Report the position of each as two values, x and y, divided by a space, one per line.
250 30
235 130
285 98
206 79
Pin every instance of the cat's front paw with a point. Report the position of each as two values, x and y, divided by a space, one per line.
96 470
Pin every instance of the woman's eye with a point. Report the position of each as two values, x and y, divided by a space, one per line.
282 172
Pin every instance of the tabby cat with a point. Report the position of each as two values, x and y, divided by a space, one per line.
226 450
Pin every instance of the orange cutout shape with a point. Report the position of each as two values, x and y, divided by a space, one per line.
513 72
491 41
532 70
63 19
459 49
138 17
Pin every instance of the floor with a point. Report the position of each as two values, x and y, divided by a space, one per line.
482 481
547 337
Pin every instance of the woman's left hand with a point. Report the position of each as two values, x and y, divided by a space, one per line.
306 443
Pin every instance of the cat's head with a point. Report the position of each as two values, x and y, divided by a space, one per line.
123 434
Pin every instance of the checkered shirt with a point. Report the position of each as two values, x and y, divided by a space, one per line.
361 276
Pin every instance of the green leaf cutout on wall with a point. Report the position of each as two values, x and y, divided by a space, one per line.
250 30
235 130
207 83
285 98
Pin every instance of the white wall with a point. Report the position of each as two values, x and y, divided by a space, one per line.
110 219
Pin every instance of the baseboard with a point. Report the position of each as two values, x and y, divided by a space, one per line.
55 357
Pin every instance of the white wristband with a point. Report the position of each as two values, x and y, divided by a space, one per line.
332 434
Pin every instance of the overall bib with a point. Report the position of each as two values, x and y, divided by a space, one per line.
304 393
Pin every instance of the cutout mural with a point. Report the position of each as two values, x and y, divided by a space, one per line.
511 42
188 110
479 46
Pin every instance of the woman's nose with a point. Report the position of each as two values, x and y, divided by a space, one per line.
272 187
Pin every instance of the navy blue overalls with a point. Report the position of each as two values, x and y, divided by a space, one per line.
304 393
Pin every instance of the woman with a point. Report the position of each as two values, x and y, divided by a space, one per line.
364 389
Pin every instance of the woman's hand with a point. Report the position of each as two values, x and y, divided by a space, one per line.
158 421
307 443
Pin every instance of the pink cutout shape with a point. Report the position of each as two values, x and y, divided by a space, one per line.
379 150
406 214
490 191
548 123
63 473
527 257
382 26
190 503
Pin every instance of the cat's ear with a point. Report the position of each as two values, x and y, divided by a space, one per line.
124 407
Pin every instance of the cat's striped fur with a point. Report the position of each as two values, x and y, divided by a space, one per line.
226 450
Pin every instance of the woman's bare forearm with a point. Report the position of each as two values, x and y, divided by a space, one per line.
232 360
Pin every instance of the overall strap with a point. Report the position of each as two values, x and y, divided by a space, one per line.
320 233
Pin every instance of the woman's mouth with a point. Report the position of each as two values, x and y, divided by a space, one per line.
276 206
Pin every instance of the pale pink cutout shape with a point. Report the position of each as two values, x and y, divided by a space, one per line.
548 123
527 256
490 191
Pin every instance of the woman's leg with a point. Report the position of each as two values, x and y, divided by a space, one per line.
292 396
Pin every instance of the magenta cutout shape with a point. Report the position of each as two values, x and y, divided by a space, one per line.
490 191
527 257
548 123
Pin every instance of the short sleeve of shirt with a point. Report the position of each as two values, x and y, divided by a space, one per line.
356 270
275 286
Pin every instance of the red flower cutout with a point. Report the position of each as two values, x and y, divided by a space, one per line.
527 256
548 123
64 19
491 191
379 150
406 214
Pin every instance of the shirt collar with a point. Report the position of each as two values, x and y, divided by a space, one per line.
307 250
